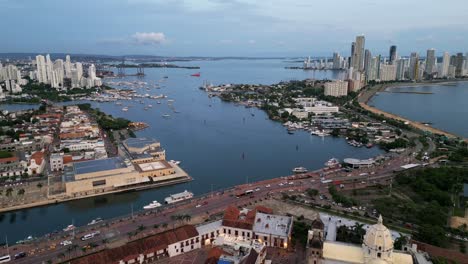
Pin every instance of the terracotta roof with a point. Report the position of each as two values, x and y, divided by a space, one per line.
234 218
143 246
67 159
10 159
449 254
38 156
214 254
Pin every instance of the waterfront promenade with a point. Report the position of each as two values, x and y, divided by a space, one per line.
207 207
366 95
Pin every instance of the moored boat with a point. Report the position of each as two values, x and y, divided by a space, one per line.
178 197
299 170
152 205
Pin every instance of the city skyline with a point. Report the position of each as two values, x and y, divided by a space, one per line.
228 28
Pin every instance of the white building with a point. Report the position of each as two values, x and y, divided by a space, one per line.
336 88
56 161
445 65
273 230
388 72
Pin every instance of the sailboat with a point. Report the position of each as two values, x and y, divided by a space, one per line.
195 74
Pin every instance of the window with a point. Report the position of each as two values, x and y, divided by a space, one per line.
99 183
379 255
236 233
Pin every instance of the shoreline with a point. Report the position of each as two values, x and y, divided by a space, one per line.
365 96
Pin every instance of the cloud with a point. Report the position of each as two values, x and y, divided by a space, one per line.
252 41
149 38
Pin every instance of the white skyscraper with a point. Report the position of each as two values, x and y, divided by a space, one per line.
79 69
41 69
68 67
445 64
401 68
58 69
92 72
49 69
388 72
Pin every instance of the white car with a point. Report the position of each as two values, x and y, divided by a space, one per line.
280 184
198 205
268 186
65 243
291 183
257 189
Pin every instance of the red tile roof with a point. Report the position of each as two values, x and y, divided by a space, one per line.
38 156
449 254
143 246
10 159
214 254
234 218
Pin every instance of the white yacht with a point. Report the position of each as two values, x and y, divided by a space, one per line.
125 109
95 221
152 205
174 198
176 162
299 170
332 163
69 228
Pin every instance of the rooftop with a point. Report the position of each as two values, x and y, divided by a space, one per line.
139 142
272 224
99 165
151 166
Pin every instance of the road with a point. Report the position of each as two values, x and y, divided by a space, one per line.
48 248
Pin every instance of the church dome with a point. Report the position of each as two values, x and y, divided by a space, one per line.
378 238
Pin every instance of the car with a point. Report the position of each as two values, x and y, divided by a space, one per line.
268 186
20 255
281 184
257 189
291 190
198 205
291 183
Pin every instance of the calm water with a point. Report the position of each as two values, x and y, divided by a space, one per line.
446 108
209 140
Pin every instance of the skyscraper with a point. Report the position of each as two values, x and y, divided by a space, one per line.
350 62
445 64
413 72
430 61
336 60
358 55
48 69
67 66
459 64
41 69
401 68
367 59
393 55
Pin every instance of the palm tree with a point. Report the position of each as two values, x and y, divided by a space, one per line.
21 192
69 250
9 191
141 227
164 225
156 226
187 217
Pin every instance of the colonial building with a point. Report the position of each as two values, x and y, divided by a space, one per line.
377 248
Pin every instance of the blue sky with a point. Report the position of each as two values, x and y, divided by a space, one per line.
231 27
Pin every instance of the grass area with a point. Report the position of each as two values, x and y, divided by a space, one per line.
105 121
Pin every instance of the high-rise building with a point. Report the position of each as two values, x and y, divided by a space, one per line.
445 64
41 69
336 61
393 54
430 61
92 72
388 72
58 69
401 68
79 69
68 66
48 69
367 60
358 55
459 64
336 88
413 72
353 48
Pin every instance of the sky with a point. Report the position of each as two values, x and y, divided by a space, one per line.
231 27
